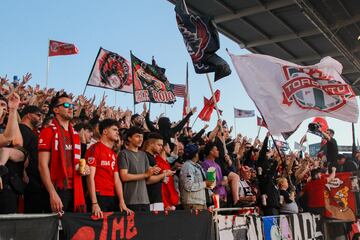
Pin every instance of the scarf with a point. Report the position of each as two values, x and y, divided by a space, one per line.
58 167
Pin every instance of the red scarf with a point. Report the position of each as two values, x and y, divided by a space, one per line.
58 167
169 194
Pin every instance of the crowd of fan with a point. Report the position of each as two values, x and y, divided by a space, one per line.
135 164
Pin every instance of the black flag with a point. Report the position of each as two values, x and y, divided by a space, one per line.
150 83
202 41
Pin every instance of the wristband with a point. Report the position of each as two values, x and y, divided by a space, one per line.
94 203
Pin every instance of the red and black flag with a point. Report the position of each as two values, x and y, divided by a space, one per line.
150 83
111 71
202 41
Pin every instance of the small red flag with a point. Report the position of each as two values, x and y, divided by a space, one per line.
59 48
209 106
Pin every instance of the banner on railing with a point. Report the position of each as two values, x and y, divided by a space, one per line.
301 226
20 226
163 225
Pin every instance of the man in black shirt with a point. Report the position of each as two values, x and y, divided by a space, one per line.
35 196
331 148
153 146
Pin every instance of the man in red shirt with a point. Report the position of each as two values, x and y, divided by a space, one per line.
104 180
59 153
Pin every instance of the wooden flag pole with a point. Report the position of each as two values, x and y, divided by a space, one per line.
195 121
217 111
213 95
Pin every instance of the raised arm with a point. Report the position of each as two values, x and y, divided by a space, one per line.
182 123
149 124
12 130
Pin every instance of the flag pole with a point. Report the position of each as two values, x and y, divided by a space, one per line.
258 133
217 111
195 121
115 96
307 143
354 150
47 67
212 93
133 80
186 104
235 125
277 149
84 90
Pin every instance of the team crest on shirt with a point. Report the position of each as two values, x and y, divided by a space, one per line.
91 160
312 89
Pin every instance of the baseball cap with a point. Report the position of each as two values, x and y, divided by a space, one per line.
30 109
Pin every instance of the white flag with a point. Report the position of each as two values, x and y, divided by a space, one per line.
238 113
286 93
112 71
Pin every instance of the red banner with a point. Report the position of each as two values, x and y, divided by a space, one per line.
339 199
60 48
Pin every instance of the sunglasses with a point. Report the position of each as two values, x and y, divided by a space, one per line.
66 105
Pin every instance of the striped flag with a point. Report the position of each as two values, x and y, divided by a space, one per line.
238 113
179 90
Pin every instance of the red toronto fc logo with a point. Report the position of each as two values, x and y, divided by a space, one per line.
311 89
54 47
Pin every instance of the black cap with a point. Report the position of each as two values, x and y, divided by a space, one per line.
30 109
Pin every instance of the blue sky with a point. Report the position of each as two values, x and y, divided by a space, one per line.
148 28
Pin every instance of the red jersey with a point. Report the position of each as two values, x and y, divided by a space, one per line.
169 194
104 159
315 192
45 140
